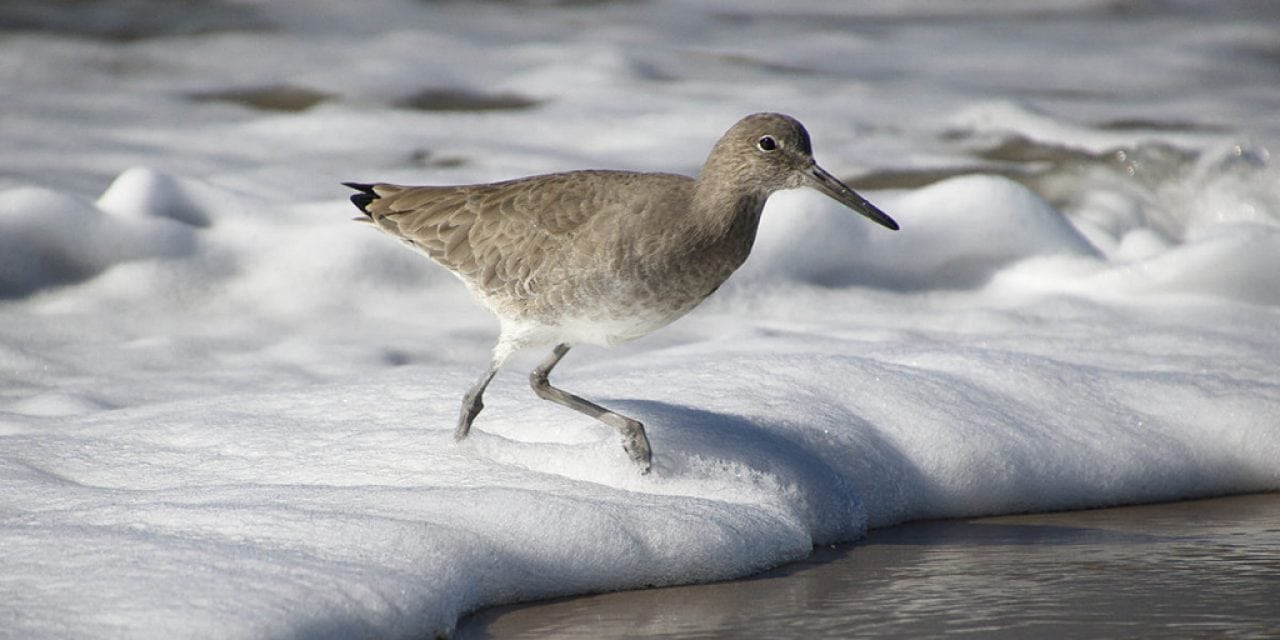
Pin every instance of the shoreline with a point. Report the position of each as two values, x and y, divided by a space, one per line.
1196 568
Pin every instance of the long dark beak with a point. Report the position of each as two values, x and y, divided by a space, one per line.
840 192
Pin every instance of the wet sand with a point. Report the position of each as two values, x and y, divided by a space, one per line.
1196 569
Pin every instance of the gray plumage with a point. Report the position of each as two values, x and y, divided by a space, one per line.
602 257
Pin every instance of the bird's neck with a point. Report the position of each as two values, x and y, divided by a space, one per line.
726 218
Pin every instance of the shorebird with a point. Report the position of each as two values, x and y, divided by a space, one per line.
602 257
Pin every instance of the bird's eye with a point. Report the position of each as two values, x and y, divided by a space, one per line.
766 143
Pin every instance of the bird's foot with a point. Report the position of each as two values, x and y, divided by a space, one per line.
469 413
636 444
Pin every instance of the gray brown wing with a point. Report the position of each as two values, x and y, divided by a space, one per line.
504 236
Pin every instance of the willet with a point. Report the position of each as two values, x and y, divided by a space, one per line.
602 257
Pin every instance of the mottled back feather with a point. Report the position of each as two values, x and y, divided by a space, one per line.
506 237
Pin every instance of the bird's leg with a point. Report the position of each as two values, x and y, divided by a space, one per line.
473 402
634 441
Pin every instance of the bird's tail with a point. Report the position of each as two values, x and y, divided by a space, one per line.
363 199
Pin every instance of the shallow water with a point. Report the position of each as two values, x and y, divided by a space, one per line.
1197 569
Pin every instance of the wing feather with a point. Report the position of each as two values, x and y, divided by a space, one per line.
508 236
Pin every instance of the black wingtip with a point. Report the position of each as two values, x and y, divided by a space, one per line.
361 200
